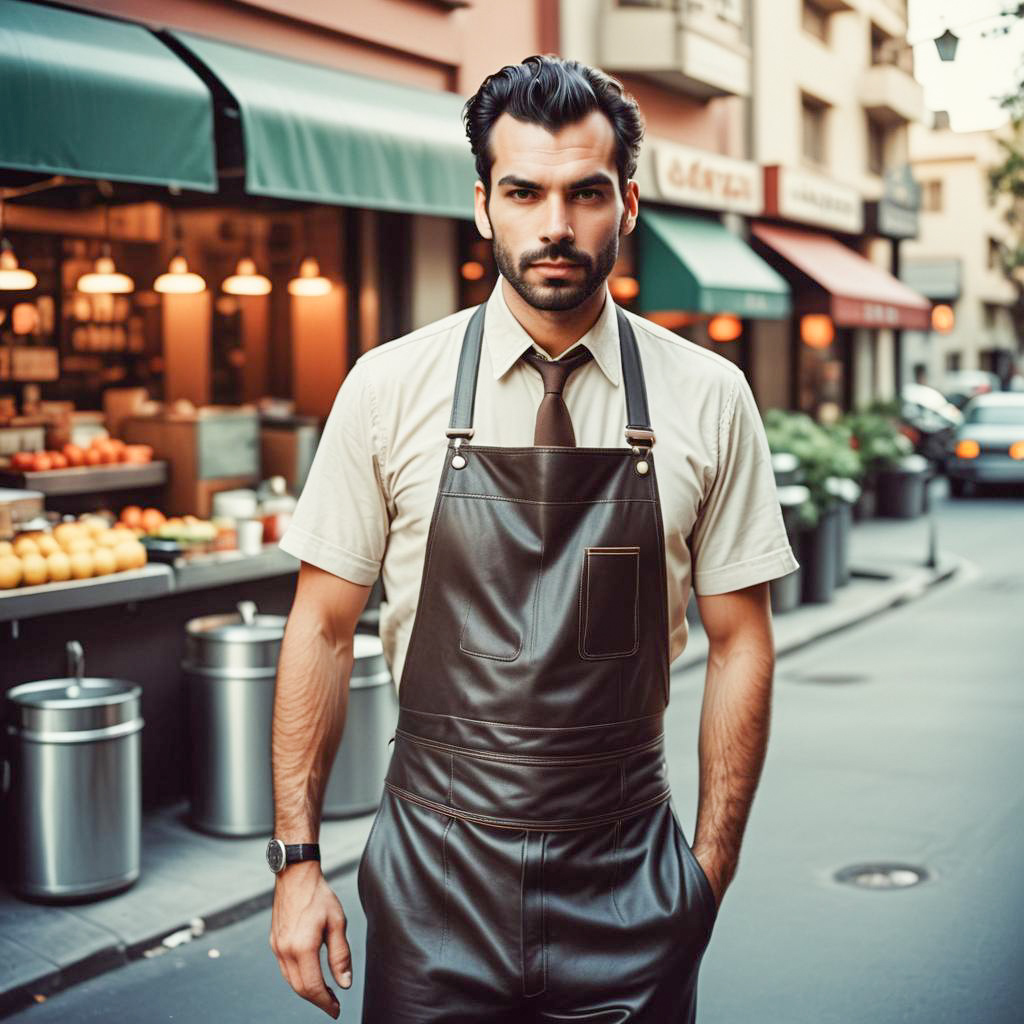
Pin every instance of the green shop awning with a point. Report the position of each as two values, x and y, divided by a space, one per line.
316 134
695 264
98 98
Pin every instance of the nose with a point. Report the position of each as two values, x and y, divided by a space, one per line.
557 227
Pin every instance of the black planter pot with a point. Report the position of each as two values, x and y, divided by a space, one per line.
901 493
867 503
818 558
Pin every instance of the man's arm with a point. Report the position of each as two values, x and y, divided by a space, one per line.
310 702
734 724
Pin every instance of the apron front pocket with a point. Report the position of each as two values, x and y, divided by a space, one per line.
610 603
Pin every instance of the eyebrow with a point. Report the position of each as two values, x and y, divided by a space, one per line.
589 182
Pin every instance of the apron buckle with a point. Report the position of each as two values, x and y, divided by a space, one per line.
641 441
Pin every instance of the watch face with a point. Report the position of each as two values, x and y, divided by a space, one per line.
275 855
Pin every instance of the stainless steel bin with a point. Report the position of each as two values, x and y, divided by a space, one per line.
75 796
230 670
357 775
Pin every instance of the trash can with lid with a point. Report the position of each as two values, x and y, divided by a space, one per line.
230 671
75 800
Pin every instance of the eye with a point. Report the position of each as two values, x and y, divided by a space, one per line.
521 193
588 194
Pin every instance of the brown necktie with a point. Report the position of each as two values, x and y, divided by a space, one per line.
554 425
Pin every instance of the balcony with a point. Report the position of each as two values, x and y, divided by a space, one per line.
692 46
891 94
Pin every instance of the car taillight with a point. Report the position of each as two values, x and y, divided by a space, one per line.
1017 450
967 449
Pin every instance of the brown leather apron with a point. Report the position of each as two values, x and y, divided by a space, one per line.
526 863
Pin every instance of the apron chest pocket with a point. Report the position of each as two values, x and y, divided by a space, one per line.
610 603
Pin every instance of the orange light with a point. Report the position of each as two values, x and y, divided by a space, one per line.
624 289
817 330
472 270
24 318
943 318
967 449
1017 450
725 327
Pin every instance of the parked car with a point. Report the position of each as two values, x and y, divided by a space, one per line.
960 386
929 420
988 447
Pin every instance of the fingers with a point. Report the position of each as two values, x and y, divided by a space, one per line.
306 968
339 957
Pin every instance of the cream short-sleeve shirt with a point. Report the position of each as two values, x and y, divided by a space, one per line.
367 503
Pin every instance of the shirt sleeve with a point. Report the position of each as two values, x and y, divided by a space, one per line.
340 523
740 538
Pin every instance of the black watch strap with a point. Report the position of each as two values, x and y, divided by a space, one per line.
297 852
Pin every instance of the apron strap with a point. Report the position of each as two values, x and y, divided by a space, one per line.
461 423
638 418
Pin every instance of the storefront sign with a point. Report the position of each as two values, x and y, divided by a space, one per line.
812 199
696 177
895 215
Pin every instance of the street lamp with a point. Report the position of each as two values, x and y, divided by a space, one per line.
946 44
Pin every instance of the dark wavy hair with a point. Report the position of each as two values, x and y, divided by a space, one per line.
552 92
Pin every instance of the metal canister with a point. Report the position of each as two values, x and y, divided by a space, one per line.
76 784
357 776
230 667
230 670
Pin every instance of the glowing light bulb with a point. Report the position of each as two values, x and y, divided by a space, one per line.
310 281
179 280
12 277
105 279
246 280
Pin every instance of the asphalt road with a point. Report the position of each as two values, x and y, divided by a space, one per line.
898 740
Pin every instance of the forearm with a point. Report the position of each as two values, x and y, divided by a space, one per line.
734 728
310 702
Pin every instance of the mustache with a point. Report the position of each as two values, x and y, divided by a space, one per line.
563 250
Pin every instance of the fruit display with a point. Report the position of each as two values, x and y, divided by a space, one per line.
77 550
189 531
103 451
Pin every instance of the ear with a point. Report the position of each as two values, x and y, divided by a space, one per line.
483 221
632 203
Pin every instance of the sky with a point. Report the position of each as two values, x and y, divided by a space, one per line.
985 67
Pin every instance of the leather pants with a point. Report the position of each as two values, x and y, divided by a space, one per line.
473 924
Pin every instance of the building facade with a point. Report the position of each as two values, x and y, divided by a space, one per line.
955 261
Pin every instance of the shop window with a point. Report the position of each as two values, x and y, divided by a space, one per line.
477 271
814 122
878 137
815 20
931 196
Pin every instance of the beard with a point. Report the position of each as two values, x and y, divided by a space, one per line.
557 294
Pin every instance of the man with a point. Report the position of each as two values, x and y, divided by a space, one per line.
526 862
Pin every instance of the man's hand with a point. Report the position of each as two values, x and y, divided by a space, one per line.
719 876
306 914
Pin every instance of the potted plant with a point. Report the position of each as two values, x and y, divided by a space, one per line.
824 454
891 469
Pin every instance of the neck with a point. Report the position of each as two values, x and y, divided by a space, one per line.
554 330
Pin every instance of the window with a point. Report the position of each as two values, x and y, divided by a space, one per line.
931 196
814 117
878 136
815 20
995 261
991 314
953 360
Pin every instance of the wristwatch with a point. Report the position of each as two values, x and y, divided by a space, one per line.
280 856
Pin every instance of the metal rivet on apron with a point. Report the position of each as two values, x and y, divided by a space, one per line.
642 466
458 461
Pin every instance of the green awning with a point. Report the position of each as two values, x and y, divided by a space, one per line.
695 264
316 134
98 98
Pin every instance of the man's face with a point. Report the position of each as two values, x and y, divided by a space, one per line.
555 213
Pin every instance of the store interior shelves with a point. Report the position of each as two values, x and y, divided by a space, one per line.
89 479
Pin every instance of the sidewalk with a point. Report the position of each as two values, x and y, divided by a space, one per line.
192 882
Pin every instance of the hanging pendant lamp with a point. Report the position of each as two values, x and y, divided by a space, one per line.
310 281
12 277
104 278
246 280
178 279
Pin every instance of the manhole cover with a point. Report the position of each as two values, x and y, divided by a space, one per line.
830 678
882 876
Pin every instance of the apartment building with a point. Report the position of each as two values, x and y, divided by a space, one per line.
955 260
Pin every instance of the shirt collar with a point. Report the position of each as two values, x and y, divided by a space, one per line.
506 340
